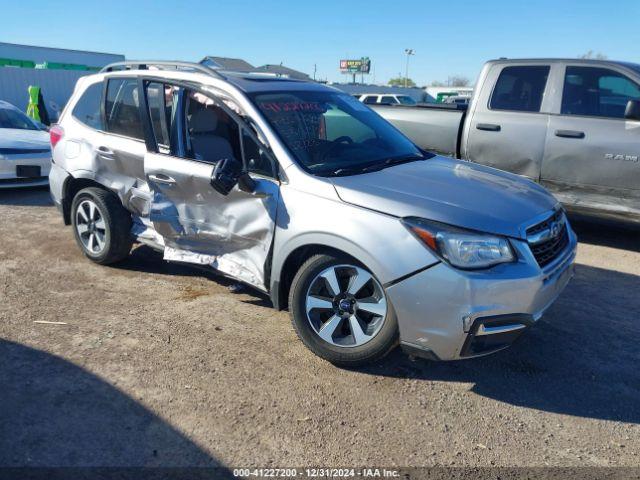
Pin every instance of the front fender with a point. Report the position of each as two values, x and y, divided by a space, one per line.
377 240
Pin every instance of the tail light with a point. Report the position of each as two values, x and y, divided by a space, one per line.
55 135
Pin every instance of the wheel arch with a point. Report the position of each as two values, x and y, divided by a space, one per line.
287 264
72 185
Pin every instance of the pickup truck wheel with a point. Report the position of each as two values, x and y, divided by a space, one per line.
101 225
341 312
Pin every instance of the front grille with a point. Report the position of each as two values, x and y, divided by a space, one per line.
556 217
548 250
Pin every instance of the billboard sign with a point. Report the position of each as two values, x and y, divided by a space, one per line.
355 66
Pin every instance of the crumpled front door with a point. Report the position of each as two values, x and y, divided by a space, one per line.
232 233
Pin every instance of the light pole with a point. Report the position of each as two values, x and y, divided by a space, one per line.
409 52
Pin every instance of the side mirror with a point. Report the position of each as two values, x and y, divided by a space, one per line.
246 183
226 175
632 111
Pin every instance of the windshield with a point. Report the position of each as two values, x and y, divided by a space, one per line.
10 118
406 100
633 66
332 133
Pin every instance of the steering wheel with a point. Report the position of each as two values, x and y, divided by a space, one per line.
343 139
327 148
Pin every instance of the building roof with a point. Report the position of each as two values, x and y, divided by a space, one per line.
60 55
242 66
225 63
255 83
281 70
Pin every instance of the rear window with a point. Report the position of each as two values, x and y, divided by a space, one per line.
388 99
520 88
122 112
87 109
406 100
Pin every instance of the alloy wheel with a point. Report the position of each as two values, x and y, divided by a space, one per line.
346 306
91 227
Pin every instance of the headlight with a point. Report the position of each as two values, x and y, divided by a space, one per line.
461 248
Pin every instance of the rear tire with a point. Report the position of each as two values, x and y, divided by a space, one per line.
352 327
101 225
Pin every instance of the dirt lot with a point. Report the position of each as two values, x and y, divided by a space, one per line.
163 365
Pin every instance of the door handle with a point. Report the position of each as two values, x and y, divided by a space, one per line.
569 134
105 152
488 127
162 178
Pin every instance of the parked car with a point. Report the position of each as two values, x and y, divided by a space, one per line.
387 99
571 125
304 193
457 99
25 153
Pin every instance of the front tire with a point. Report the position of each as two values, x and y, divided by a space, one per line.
341 312
101 225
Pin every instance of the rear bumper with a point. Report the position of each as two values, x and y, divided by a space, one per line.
57 177
448 314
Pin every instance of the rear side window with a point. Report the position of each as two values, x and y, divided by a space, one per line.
388 99
597 92
163 106
371 99
520 89
87 109
122 112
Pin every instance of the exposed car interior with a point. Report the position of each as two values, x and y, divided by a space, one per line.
212 134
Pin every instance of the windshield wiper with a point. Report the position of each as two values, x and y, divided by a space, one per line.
347 171
389 162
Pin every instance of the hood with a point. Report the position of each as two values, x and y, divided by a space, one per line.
18 138
457 193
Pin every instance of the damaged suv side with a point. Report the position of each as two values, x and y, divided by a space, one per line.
306 194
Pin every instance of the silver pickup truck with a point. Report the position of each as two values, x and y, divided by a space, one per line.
571 125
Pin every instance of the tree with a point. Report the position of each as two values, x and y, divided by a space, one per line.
453 81
458 81
594 55
400 82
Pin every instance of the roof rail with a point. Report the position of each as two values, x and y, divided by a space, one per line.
144 65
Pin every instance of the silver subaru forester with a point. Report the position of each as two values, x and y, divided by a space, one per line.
304 193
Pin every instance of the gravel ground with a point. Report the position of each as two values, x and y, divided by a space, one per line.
162 365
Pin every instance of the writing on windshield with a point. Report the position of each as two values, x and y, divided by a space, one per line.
331 131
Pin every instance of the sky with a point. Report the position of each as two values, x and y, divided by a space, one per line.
449 38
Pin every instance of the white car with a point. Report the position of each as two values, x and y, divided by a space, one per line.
457 99
386 98
25 152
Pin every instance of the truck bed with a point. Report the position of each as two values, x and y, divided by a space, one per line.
436 128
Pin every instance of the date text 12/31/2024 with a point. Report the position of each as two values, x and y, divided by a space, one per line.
315 473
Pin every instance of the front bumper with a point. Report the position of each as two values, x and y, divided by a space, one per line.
9 167
448 314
